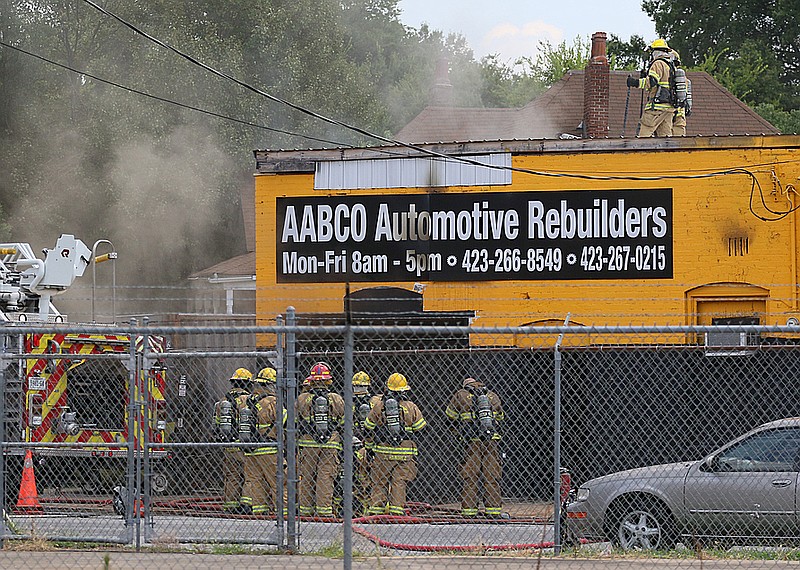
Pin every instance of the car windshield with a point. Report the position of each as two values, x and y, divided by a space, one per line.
773 450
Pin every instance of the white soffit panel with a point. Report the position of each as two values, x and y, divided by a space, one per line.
412 173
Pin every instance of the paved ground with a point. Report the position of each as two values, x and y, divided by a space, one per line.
191 539
398 539
70 560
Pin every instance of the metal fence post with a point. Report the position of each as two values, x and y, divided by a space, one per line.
147 425
557 442
3 434
130 469
291 432
347 514
280 397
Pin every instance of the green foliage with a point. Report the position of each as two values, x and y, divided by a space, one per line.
505 86
785 121
760 63
631 55
552 63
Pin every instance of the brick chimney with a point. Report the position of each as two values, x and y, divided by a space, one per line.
595 90
441 94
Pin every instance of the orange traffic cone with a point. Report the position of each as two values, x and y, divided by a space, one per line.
28 501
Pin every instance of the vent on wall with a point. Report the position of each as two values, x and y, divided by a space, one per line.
738 246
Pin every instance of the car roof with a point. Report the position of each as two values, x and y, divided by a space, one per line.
785 422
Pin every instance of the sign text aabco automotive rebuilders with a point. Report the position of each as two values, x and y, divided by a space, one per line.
579 234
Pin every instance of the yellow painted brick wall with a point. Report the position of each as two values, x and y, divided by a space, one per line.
707 213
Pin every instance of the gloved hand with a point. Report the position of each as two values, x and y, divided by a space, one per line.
632 81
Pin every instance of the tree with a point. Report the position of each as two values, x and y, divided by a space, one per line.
551 63
785 121
631 55
755 36
507 86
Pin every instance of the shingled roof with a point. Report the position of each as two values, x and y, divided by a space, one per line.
559 111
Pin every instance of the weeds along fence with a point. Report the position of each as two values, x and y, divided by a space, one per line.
110 434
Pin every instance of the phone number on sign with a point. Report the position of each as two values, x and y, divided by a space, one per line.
592 258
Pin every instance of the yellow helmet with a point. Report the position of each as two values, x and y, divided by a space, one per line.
397 383
242 374
266 376
659 44
361 378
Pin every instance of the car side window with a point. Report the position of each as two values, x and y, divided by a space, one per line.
773 450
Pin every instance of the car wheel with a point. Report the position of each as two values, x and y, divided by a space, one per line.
643 524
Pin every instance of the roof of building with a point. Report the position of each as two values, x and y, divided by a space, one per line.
239 266
559 111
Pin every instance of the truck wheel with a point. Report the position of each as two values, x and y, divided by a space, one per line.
159 483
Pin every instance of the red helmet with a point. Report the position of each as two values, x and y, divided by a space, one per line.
321 372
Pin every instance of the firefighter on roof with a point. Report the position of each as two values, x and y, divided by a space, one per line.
261 460
321 413
391 425
226 420
658 80
477 413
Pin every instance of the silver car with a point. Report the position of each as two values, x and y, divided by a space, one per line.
745 491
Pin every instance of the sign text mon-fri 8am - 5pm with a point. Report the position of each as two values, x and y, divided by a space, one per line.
553 235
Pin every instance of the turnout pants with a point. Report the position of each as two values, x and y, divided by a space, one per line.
390 477
658 121
318 468
232 474
260 481
482 459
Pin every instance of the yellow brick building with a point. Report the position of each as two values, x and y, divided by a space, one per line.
613 232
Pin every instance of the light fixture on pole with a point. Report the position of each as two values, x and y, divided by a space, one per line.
112 256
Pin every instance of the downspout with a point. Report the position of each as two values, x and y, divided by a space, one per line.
793 228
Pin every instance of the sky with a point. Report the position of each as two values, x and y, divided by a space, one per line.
513 28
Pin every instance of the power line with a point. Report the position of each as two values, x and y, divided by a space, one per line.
170 101
726 172
245 85
422 150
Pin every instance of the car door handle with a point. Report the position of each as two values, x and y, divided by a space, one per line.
781 482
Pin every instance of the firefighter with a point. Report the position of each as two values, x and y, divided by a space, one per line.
391 425
226 420
260 460
477 413
321 414
363 402
657 80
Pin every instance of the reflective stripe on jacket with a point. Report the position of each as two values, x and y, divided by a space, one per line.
375 425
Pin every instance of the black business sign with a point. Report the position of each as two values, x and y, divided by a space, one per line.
578 234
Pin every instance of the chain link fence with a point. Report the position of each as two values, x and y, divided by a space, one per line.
562 443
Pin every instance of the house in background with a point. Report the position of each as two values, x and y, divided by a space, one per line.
229 287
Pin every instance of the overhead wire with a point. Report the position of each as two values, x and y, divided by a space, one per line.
169 101
777 214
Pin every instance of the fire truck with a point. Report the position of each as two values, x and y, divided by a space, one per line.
69 387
